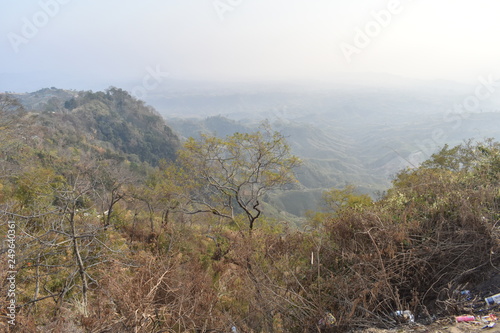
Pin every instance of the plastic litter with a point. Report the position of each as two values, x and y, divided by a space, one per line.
490 325
460 319
492 299
407 315
234 329
489 318
466 294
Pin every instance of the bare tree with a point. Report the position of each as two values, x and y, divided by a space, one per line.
59 232
235 172
112 179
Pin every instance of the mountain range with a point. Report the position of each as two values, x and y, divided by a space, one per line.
357 135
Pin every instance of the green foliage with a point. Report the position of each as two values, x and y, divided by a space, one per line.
110 121
235 172
110 243
35 189
128 124
336 200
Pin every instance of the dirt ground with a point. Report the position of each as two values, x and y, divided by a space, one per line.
469 302
441 326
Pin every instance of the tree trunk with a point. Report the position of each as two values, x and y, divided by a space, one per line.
79 261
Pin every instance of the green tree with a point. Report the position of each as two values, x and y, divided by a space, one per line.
235 172
336 199
9 105
165 191
12 129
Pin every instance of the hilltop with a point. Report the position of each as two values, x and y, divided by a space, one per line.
112 120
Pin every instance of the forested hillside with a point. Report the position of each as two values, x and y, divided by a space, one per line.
112 120
113 226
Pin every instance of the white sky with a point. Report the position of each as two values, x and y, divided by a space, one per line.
113 41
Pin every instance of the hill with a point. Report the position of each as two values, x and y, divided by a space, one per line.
112 120
351 134
101 240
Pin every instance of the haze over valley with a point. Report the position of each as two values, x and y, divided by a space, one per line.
356 133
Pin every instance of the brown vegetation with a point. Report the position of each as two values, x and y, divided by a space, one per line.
106 245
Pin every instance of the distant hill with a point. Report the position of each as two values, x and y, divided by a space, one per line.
330 159
357 150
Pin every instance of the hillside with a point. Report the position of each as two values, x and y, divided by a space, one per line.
337 152
111 120
98 240
351 134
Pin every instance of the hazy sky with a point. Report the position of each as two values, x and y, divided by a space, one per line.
94 44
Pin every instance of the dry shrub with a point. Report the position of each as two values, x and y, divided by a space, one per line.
262 283
23 323
414 255
139 234
155 294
